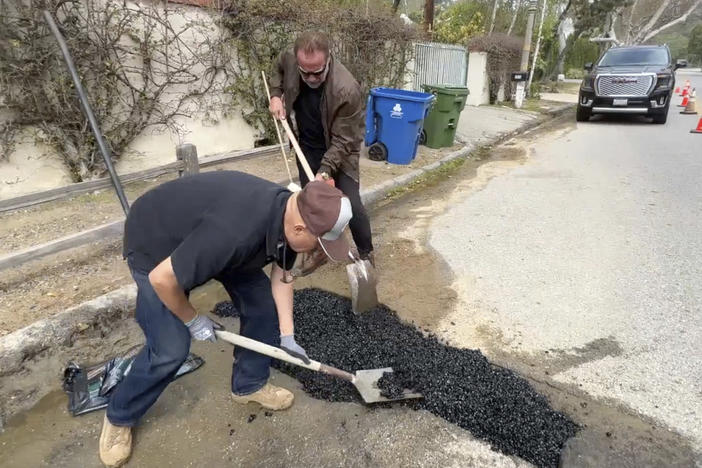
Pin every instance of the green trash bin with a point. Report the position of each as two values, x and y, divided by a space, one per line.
441 123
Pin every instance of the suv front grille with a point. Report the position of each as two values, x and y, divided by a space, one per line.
624 85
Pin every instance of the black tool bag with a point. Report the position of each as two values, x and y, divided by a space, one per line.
89 387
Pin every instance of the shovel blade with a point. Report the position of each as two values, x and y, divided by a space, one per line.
363 282
366 382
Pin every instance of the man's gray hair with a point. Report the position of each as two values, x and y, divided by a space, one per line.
312 41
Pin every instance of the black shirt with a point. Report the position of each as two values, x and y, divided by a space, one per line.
308 115
211 225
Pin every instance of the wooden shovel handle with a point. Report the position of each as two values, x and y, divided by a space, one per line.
336 372
277 129
278 353
267 350
298 150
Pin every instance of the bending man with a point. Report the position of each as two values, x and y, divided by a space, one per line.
225 226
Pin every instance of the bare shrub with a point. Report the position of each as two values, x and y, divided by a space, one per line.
144 66
503 57
137 68
375 48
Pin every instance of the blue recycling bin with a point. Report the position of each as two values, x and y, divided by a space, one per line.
394 119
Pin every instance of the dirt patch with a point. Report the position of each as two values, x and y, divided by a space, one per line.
34 292
42 223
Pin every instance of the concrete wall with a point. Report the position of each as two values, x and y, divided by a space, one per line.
477 82
34 167
31 167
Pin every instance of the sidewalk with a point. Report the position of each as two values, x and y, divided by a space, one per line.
560 97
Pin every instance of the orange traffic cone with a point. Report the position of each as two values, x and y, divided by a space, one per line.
677 90
691 106
684 102
685 91
687 83
699 127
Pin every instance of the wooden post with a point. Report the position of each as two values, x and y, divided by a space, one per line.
188 154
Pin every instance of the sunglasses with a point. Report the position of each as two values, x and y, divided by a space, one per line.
316 74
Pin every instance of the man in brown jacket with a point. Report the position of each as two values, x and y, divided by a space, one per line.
326 102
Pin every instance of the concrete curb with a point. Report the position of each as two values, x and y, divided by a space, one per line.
32 358
97 329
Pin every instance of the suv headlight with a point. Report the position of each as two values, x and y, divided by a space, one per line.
663 81
588 83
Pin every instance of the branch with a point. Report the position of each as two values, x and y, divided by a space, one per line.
395 5
514 16
654 19
629 27
494 13
565 11
681 19
538 43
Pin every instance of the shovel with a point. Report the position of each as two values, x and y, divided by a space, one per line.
292 186
363 282
362 278
365 381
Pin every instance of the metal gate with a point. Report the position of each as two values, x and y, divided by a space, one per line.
439 64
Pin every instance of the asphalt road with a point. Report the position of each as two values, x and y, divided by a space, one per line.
587 260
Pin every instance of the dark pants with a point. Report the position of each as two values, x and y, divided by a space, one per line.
168 343
360 224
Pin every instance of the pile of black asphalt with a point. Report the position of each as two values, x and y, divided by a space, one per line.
459 385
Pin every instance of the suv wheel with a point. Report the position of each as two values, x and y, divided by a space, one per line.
582 114
660 118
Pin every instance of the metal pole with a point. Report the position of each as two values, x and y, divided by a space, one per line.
526 50
429 16
88 111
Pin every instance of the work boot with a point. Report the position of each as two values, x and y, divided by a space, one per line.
115 444
269 396
310 262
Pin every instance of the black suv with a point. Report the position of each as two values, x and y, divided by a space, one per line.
629 80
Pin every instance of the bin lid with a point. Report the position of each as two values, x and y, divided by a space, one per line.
402 95
444 89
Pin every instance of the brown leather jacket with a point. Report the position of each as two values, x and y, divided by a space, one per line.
342 111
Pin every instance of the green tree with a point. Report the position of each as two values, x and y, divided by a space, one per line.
459 22
590 17
580 51
694 45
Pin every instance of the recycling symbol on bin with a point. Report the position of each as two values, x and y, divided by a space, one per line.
396 112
